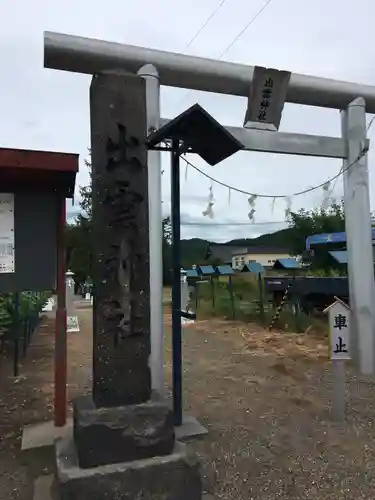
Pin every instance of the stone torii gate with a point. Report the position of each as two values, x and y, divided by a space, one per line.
90 56
124 442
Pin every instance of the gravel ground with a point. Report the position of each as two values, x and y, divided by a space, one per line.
22 400
265 399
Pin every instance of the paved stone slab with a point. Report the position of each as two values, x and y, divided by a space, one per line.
122 433
190 428
43 434
43 488
172 477
83 304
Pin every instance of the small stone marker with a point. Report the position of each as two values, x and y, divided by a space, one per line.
339 351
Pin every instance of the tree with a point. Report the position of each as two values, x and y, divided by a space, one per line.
309 222
79 238
78 251
167 231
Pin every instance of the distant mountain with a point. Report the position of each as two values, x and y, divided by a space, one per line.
279 239
193 251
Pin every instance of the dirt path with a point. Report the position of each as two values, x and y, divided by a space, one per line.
29 399
264 398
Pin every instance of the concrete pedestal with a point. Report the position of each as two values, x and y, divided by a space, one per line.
124 453
175 476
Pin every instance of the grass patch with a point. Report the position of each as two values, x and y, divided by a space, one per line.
243 301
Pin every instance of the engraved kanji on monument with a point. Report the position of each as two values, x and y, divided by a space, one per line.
120 230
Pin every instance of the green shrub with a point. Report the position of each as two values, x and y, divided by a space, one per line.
30 303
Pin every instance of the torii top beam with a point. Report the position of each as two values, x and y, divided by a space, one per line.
86 55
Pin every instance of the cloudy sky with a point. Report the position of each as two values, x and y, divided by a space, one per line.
48 110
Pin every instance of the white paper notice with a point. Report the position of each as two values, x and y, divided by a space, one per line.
72 324
7 260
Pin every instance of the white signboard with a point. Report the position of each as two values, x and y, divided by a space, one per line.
267 98
339 330
72 324
7 260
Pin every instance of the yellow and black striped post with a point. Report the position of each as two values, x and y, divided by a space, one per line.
280 306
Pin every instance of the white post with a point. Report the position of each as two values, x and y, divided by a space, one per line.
338 390
150 74
359 239
349 213
339 346
184 291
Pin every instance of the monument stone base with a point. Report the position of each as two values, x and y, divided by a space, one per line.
175 476
121 433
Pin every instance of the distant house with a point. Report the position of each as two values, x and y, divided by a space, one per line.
266 256
223 252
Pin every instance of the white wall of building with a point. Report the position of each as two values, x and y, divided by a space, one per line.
265 259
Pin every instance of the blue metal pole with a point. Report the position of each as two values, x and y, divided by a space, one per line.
176 284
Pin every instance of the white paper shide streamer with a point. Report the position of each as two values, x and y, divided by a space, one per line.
288 208
251 201
326 195
273 205
209 212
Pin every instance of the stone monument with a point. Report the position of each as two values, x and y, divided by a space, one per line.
123 444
